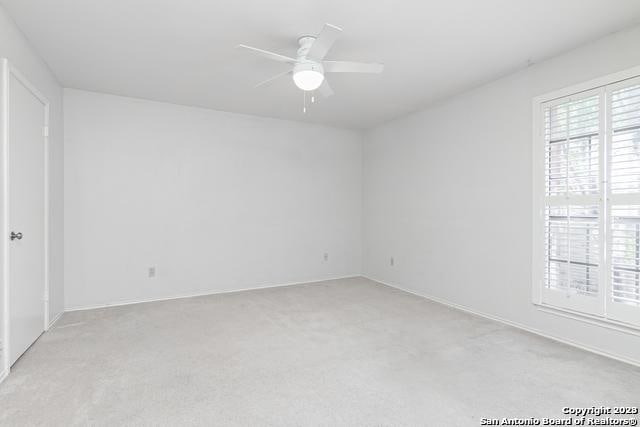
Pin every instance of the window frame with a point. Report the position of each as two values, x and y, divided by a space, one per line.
540 200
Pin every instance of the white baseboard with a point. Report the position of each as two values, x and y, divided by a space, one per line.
591 349
54 320
200 294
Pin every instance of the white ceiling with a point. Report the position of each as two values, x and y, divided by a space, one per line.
183 51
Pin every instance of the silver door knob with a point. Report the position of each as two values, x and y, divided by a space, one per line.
15 236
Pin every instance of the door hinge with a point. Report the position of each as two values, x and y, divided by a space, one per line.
45 131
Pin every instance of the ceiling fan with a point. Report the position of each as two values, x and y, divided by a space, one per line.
309 66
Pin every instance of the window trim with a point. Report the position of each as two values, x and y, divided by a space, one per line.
538 197
590 319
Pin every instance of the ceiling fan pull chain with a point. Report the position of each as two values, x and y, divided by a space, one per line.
304 101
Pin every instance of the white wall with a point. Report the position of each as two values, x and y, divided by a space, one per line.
15 47
448 193
216 201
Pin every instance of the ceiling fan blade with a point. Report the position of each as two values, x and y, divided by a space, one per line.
324 41
351 67
325 90
270 55
272 79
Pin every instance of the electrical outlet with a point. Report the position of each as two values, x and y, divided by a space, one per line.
326 257
152 272
392 262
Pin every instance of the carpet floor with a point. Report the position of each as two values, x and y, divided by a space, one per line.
346 352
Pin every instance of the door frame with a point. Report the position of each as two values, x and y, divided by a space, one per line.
8 70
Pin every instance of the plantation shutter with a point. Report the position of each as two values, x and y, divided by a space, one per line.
573 227
623 297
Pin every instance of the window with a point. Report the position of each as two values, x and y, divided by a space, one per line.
587 200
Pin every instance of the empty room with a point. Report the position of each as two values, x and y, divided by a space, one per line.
297 213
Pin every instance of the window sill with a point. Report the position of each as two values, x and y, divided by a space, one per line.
590 319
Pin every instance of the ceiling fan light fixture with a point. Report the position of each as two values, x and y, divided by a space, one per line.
308 76
309 65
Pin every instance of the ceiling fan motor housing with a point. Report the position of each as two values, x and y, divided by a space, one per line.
308 65
305 43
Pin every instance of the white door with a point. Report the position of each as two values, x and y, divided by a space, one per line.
26 168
